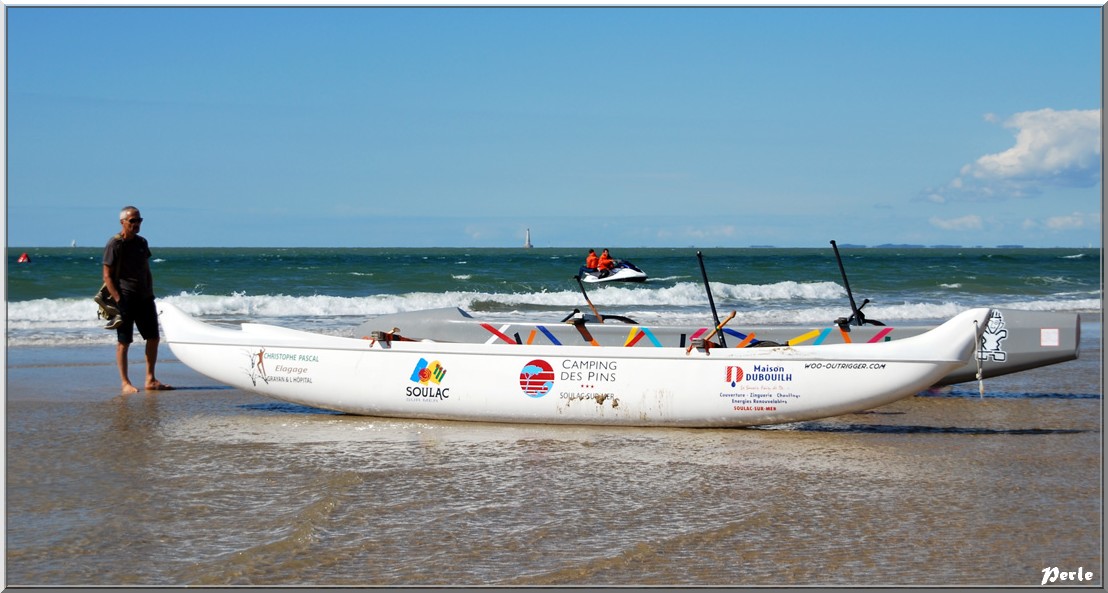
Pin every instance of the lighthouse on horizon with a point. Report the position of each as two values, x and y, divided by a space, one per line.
527 240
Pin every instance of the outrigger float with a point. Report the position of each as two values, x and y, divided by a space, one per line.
1012 341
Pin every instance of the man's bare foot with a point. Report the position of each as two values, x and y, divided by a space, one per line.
158 386
128 388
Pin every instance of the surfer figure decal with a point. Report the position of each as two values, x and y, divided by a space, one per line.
257 367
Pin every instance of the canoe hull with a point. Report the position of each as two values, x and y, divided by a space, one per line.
568 384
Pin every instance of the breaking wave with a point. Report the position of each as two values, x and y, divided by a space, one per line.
73 321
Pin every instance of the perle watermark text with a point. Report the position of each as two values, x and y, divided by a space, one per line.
1052 574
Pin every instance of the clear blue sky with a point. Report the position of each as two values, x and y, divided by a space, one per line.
617 127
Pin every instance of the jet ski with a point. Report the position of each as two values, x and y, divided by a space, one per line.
624 271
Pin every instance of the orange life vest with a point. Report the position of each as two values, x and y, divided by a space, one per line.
606 262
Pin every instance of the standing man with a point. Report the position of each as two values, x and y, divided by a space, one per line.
128 278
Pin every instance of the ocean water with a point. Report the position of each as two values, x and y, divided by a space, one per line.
332 290
210 486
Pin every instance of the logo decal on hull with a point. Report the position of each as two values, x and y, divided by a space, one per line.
759 388
995 333
428 372
280 367
734 375
536 378
257 366
428 375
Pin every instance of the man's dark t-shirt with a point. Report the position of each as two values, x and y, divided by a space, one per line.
128 259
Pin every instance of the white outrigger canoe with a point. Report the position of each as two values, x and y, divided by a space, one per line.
384 375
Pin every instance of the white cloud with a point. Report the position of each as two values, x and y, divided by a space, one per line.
970 222
1050 145
1052 149
1065 222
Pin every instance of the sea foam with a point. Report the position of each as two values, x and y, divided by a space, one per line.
74 321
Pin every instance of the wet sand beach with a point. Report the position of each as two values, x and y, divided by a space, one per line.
208 485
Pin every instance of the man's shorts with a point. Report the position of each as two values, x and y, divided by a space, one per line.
141 312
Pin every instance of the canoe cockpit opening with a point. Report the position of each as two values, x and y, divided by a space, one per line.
386 338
